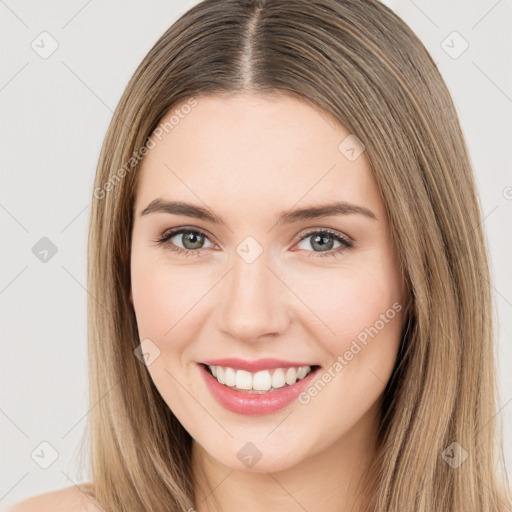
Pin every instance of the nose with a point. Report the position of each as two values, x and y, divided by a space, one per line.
253 305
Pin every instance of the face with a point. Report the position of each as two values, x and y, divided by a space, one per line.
269 291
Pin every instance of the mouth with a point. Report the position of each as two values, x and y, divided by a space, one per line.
256 393
263 381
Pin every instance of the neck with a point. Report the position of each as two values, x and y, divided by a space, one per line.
332 480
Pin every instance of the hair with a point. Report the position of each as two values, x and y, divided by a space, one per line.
366 69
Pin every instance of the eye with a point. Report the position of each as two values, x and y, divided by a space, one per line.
324 239
191 239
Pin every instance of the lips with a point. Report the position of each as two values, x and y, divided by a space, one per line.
243 402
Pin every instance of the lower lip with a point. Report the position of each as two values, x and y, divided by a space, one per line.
254 404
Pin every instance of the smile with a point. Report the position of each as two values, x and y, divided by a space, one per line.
256 392
259 382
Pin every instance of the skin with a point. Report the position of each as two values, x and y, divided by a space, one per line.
247 158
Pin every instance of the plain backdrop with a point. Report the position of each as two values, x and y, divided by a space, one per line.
55 110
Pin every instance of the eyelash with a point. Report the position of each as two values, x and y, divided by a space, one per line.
165 240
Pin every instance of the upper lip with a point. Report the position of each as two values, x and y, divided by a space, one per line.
254 366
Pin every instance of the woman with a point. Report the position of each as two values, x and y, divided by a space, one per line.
290 301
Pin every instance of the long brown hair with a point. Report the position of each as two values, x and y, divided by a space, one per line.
361 63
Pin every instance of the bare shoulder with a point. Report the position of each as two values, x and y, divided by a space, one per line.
70 499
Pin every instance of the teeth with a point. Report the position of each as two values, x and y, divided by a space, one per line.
303 371
243 379
261 381
291 376
221 375
278 378
230 377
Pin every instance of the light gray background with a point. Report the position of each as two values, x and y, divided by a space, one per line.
55 113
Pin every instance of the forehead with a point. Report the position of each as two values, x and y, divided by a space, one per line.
249 149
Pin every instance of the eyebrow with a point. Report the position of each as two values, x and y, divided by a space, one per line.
160 205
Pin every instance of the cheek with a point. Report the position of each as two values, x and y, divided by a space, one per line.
357 319
157 299
164 298
366 314
153 299
169 300
341 304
